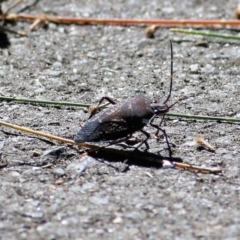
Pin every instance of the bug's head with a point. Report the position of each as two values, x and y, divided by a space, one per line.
159 109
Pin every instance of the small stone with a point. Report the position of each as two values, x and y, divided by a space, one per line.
56 65
167 164
167 10
202 44
3 162
2 144
14 176
150 31
50 156
2 73
237 12
117 220
37 215
58 172
54 151
53 73
194 68
36 154
77 167
59 181
99 199
233 172
40 90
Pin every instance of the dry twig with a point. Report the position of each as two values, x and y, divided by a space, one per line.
199 140
140 156
120 21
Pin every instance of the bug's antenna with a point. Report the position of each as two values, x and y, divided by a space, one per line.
171 73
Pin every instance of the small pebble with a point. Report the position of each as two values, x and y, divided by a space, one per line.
54 151
98 199
202 44
36 154
58 172
150 31
40 90
167 164
52 73
117 220
56 65
237 12
14 176
77 167
59 181
194 68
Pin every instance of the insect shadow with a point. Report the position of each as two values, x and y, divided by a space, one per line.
136 158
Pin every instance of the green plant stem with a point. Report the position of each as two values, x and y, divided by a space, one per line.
179 115
208 34
27 100
199 117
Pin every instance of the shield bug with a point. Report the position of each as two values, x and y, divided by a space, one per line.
122 119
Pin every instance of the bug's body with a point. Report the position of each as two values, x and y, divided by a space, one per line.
123 119
118 121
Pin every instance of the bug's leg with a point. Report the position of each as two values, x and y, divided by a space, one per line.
162 130
123 139
101 100
145 140
110 144
159 126
165 136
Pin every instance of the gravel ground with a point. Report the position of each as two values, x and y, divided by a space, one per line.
49 191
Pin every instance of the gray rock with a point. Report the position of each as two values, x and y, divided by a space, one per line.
51 155
99 199
194 69
53 73
77 167
58 172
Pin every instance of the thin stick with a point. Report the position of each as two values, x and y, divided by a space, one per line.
121 21
193 167
37 22
138 155
141 156
200 141
39 133
208 34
